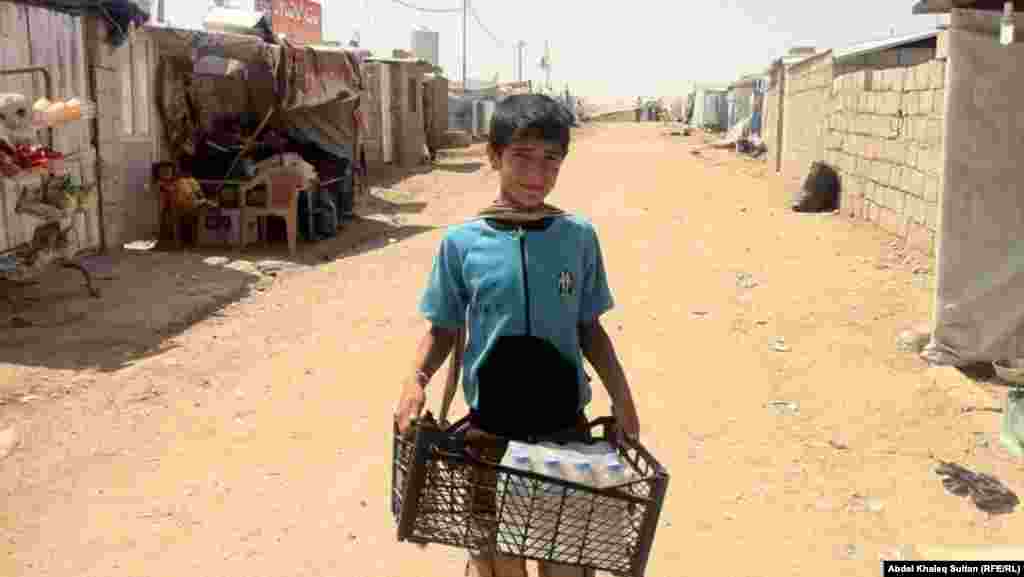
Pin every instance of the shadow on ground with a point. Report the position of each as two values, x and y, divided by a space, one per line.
149 296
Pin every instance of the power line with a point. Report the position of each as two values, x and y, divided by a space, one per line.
430 10
485 29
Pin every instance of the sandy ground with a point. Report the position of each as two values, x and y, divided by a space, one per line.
255 442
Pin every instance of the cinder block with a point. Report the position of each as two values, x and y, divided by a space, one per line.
926 105
892 103
934 132
896 177
922 76
931 216
870 190
883 196
890 221
905 178
909 79
872 149
909 103
938 69
917 184
897 151
910 208
931 189
934 165
920 131
885 126
898 77
897 200
880 172
939 102
910 154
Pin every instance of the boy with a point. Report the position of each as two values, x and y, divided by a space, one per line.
529 281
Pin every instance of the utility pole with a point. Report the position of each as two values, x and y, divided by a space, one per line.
465 44
519 60
547 64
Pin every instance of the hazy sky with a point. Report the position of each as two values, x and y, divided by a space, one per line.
639 48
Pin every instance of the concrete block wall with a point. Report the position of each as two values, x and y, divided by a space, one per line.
808 102
769 124
884 137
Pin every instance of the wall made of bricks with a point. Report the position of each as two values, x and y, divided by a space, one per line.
808 95
884 137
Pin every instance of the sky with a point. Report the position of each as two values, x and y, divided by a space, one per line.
610 50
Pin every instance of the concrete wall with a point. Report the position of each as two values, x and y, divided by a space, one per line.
126 78
771 124
808 100
885 139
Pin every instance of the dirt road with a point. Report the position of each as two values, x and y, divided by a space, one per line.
257 443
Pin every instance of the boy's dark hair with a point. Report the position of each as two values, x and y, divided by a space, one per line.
529 116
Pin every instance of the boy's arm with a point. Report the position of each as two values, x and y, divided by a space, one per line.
433 349
595 300
443 304
598 349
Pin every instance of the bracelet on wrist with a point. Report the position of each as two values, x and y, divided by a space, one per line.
422 378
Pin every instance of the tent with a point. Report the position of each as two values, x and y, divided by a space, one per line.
711 109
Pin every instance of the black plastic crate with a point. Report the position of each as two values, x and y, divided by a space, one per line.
442 494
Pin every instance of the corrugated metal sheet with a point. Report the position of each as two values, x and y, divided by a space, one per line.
55 41
883 44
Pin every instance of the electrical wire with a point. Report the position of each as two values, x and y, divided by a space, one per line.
430 10
485 29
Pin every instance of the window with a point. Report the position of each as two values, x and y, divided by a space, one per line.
413 96
135 89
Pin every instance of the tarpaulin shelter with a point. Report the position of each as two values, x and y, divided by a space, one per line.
311 91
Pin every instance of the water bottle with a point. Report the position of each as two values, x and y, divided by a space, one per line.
583 472
609 515
614 472
548 503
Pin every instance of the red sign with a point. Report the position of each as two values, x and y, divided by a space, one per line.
298 20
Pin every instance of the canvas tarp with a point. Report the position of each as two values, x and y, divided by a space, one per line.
195 45
317 89
315 76
331 126
306 76
979 309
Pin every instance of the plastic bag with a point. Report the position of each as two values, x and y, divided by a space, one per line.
1012 434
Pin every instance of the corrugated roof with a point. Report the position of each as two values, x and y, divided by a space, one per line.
880 45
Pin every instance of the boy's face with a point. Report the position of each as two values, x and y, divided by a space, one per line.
529 169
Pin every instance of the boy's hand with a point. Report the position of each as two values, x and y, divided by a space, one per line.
626 421
410 405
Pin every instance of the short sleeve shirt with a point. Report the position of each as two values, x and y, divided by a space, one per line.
502 282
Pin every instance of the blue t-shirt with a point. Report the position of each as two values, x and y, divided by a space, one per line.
480 275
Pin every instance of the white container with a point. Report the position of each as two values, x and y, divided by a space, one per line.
549 497
609 516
